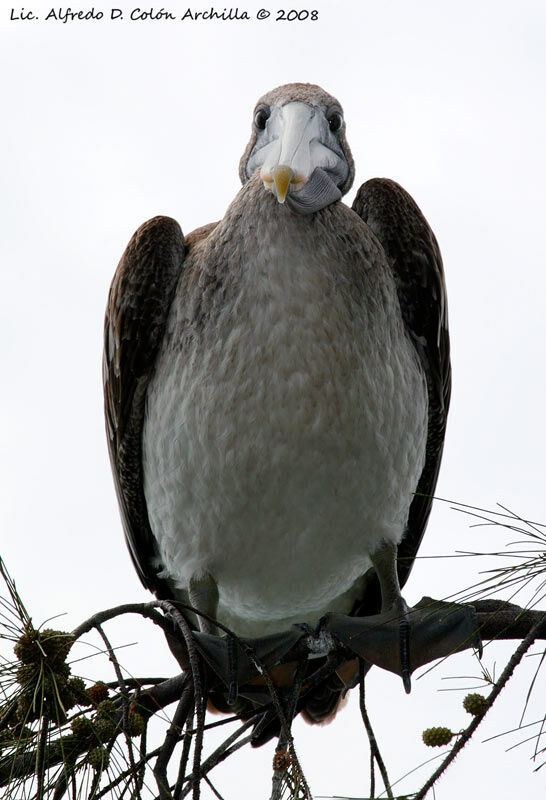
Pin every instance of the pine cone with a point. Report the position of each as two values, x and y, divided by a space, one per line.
26 709
56 644
107 708
98 692
135 724
27 675
77 687
437 737
281 760
104 728
98 758
475 704
34 646
26 648
82 727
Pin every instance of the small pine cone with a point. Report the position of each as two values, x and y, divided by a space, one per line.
27 675
437 737
77 687
33 646
56 644
26 648
98 692
281 760
475 704
56 688
135 724
98 758
82 727
68 698
107 708
54 684
26 710
104 728
61 669
56 678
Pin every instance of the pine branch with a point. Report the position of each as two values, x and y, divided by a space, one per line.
496 620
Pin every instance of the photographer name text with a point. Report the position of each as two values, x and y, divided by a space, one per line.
68 15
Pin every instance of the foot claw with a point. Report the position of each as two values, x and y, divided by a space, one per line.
232 655
405 669
233 693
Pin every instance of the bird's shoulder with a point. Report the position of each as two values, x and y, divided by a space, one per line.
198 236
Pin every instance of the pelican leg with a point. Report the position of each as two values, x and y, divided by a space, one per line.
203 595
392 602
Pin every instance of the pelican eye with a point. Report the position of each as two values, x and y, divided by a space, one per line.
260 118
335 121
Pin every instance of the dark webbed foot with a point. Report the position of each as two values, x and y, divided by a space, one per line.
435 630
400 639
393 604
234 662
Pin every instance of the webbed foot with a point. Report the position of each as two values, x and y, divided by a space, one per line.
394 605
434 630
238 663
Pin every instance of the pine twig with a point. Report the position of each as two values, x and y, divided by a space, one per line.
374 747
125 705
499 686
172 737
40 755
199 699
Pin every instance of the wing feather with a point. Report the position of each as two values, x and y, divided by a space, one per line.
138 305
413 253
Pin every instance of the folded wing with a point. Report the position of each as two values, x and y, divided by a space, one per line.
413 253
138 305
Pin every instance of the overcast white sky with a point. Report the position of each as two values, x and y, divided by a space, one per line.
106 124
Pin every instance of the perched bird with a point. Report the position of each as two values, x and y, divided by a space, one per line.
277 386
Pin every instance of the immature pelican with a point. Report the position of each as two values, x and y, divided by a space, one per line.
277 386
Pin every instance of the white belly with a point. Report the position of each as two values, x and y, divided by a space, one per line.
283 446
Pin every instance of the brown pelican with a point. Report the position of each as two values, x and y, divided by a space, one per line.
277 387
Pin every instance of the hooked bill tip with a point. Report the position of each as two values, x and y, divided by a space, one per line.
281 177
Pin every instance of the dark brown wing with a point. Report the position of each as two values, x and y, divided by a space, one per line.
136 315
413 253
